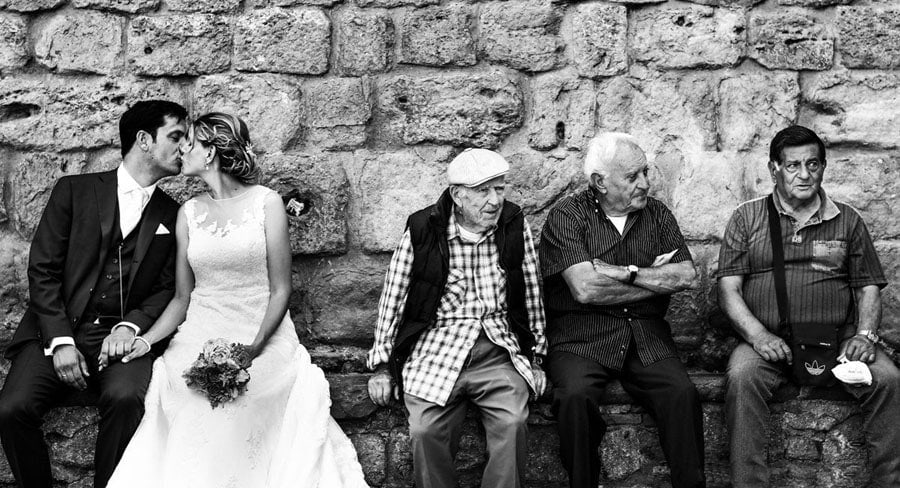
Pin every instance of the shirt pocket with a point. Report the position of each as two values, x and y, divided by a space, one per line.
454 292
830 256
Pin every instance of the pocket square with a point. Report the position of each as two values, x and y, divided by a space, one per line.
162 230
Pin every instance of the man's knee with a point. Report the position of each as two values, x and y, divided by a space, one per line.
743 379
423 431
121 400
15 410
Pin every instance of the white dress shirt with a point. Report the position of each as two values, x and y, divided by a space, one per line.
133 199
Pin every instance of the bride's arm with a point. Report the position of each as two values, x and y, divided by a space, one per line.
176 310
278 264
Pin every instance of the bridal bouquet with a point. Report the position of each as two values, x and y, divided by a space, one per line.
219 372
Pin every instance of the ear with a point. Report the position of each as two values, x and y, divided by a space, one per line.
143 139
597 182
454 194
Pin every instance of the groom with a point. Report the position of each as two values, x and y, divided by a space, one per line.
100 270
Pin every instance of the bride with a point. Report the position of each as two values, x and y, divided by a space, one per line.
233 279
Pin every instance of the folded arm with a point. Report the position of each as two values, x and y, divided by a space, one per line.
731 299
599 283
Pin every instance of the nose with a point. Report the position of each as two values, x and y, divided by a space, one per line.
495 197
803 172
643 182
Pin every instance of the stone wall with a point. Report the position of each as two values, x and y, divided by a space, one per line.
359 105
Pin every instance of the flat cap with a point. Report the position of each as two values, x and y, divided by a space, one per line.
473 167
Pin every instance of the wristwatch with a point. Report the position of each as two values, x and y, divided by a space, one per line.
632 270
869 334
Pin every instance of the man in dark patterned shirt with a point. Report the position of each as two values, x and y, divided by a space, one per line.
611 256
833 279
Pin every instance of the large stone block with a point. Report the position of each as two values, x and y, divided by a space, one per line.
350 396
473 108
321 180
438 36
285 41
790 40
179 44
814 3
754 106
698 37
727 3
853 108
372 454
204 6
870 182
335 112
869 37
562 111
34 176
388 187
889 254
30 5
13 41
364 41
127 6
80 41
599 35
296 3
339 298
525 38
538 180
55 112
394 3
269 104
14 283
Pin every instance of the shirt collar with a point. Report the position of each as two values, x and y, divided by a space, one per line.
827 208
126 183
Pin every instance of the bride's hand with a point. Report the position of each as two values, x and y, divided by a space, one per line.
249 353
139 347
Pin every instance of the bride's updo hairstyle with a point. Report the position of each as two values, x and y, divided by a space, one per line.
228 134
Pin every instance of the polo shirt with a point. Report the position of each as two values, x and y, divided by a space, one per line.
824 259
577 230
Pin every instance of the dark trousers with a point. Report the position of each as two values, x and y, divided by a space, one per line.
32 389
663 388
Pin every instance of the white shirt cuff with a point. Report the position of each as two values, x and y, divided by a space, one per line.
135 328
58 341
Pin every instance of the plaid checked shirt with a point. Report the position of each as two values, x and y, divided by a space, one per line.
474 299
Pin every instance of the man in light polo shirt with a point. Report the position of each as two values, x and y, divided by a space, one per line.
833 279
460 321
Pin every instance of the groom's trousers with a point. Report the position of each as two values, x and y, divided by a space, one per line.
32 389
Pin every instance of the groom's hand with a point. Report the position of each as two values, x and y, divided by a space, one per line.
70 366
116 345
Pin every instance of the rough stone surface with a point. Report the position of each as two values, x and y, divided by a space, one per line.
283 40
378 193
13 41
814 3
870 183
206 6
599 36
269 104
525 37
364 41
179 44
853 108
322 181
727 3
869 37
14 286
335 112
394 3
438 36
70 113
562 111
787 40
80 41
688 37
127 6
460 108
30 5
753 107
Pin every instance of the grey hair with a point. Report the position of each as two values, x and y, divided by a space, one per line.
601 151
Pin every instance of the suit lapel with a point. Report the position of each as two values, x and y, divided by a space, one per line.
146 230
107 202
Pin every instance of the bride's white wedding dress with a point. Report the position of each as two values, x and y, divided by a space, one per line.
279 433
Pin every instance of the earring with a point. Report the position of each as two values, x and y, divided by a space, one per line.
207 167
144 147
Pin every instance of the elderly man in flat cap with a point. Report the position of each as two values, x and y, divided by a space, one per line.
460 321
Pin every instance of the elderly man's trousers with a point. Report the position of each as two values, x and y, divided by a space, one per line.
751 382
663 388
491 383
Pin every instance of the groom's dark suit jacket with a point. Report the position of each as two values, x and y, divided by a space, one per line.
71 243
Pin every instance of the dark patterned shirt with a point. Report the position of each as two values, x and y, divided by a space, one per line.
824 259
577 230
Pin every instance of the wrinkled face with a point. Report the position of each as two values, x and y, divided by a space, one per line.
163 150
799 176
479 207
194 155
625 186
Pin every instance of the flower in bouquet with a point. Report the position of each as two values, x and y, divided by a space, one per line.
219 372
